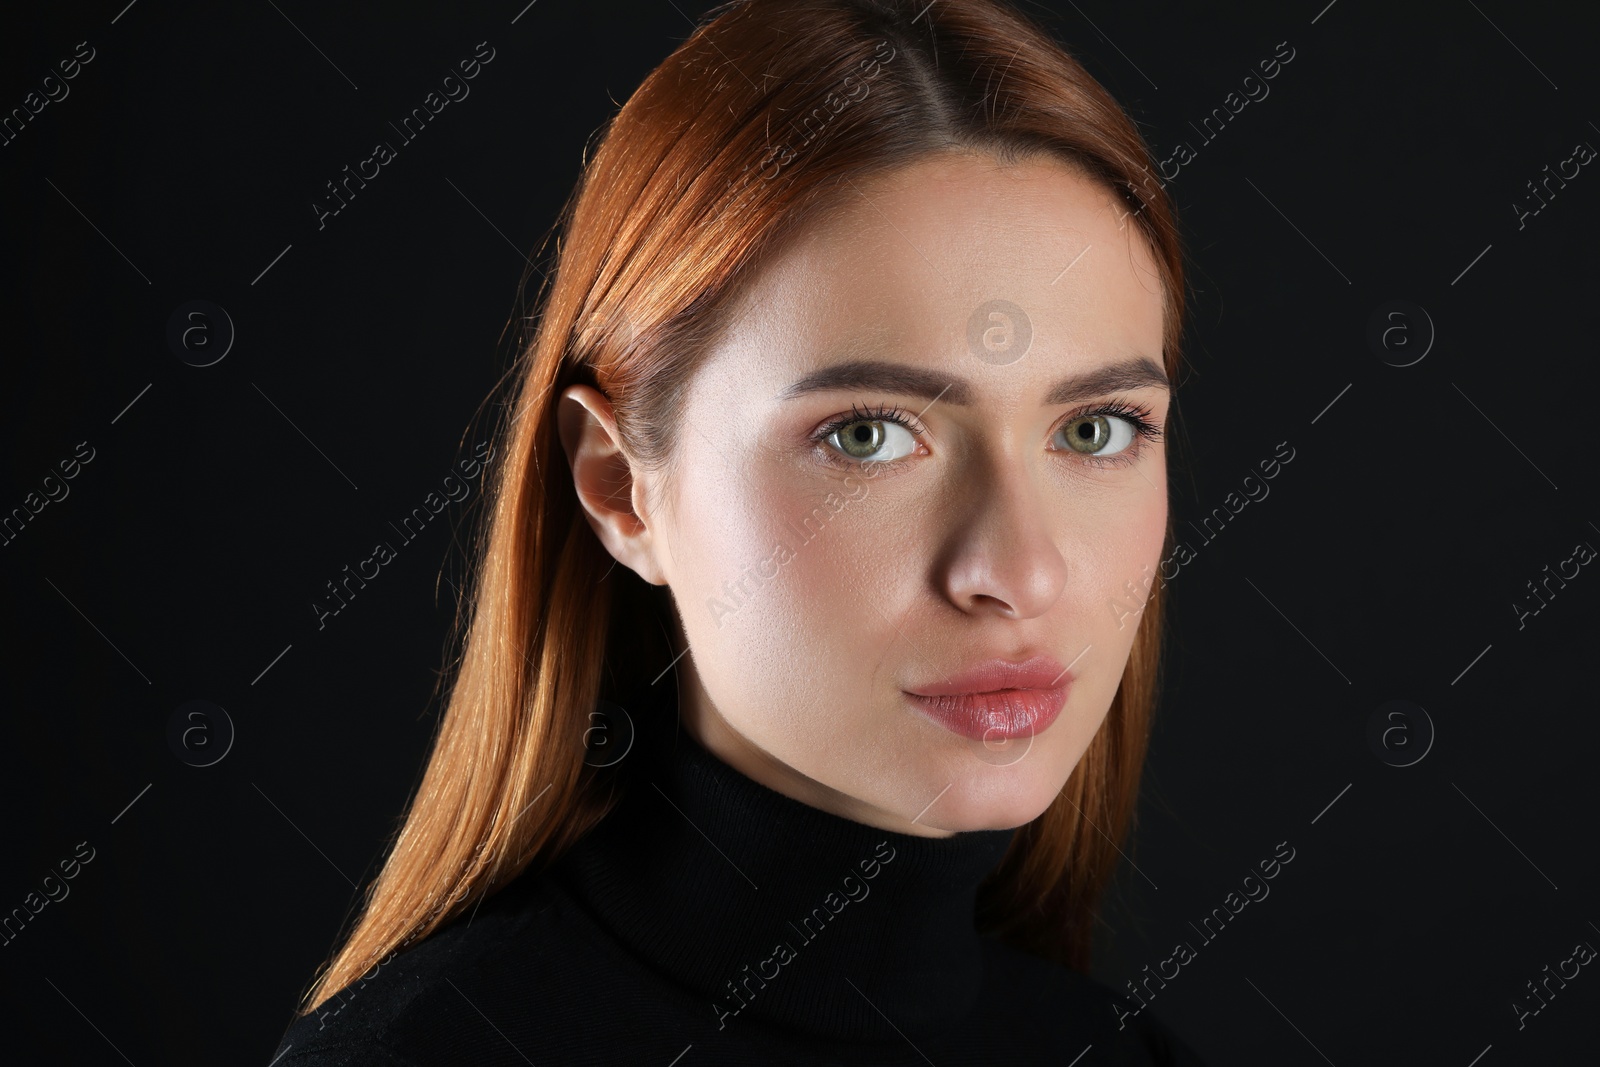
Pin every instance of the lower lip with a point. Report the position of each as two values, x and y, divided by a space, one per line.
1001 715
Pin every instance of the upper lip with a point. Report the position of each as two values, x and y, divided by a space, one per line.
992 675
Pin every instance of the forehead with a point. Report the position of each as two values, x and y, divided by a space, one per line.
908 264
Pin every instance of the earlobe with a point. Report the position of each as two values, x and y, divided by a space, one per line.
603 479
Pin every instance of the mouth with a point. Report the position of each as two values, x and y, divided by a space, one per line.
1002 714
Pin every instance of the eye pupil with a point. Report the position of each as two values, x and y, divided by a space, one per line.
1091 433
862 438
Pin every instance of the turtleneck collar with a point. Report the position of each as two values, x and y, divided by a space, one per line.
772 909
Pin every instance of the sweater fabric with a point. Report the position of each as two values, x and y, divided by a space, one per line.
710 920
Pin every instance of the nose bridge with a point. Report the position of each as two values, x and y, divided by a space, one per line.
1004 548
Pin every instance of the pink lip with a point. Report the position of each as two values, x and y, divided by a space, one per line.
997 699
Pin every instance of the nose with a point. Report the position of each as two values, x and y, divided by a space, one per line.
1001 556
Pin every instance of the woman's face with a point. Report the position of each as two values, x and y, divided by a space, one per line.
917 451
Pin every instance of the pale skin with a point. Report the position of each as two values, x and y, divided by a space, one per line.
987 536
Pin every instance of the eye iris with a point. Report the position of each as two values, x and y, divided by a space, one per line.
1089 434
861 439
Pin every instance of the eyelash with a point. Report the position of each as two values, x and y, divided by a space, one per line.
1145 428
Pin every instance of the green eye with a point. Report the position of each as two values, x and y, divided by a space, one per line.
1098 435
863 438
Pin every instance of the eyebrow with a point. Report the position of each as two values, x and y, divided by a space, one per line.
885 376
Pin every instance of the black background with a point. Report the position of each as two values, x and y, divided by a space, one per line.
1384 565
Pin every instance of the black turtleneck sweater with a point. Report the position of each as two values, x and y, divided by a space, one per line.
710 920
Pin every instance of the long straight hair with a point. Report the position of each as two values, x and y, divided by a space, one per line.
755 124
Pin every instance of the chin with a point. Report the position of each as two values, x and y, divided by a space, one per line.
995 800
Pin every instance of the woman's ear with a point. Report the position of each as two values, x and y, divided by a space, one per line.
604 480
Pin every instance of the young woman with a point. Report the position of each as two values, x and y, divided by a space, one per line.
813 646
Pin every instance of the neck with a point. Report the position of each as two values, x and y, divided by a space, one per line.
716 736
766 906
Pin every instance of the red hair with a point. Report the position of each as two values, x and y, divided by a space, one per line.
747 130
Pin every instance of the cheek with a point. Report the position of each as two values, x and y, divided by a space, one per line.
771 575
1119 569
815 550
1144 533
